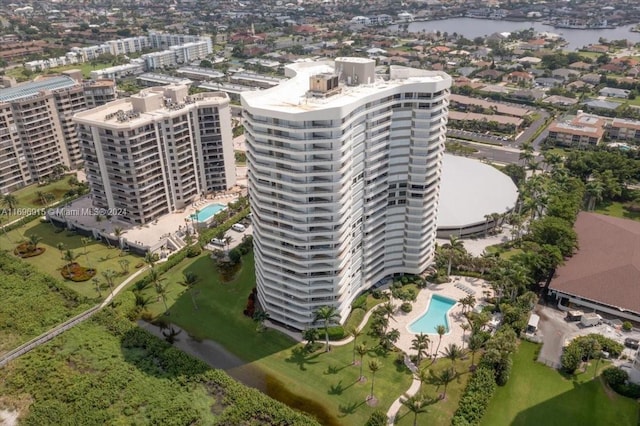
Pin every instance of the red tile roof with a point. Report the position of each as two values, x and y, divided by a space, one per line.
606 268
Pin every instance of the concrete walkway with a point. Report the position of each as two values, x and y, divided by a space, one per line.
395 407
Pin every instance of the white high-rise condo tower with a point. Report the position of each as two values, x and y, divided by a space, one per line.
344 175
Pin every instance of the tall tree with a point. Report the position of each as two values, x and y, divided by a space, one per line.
453 247
445 377
441 330
109 275
453 352
10 201
189 280
374 366
416 404
355 333
327 315
362 350
420 344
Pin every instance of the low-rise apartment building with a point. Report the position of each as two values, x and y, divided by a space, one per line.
624 130
158 151
585 129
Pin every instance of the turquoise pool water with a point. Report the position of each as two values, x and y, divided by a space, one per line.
436 315
208 212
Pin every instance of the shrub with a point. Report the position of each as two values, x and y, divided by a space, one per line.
627 326
376 294
617 378
77 273
193 251
476 397
336 333
360 302
571 358
406 307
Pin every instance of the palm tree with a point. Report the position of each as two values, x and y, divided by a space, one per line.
171 335
453 352
124 264
362 350
141 301
10 201
189 280
387 310
155 278
86 241
150 259
260 317
593 191
109 275
475 344
465 327
34 239
355 333
420 344
441 330
422 375
416 404
445 377
374 366
454 246
328 315
96 283
69 258
161 289
60 247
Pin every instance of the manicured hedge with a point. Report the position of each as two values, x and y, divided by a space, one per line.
476 397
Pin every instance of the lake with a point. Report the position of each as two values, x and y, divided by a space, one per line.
471 28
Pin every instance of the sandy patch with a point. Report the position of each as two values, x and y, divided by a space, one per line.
9 418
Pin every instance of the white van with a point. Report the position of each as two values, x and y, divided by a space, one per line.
218 242
238 227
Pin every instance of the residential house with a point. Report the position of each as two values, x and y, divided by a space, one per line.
591 78
597 48
581 66
560 100
535 44
603 105
564 73
490 75
518 77
547 82
612 92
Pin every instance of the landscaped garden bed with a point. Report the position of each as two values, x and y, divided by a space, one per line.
26 249
77 273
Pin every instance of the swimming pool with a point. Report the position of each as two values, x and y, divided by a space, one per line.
208 212
436 315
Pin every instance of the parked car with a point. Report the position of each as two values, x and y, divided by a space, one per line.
218 242
632 343
238 227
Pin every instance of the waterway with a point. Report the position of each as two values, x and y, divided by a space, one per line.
471 28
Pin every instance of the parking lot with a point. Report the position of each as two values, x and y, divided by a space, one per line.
555 332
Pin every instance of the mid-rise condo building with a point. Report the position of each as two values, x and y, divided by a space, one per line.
157 151
37 133
344 175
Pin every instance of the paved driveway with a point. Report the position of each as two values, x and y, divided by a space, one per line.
554 330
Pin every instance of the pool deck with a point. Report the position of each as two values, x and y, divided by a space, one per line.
449 290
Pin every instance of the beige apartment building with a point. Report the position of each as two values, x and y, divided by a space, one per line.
583 130
624 130
157 151
36 128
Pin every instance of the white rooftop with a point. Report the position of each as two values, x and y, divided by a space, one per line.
470 189
291 95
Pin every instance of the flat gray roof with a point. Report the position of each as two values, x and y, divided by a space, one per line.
32 88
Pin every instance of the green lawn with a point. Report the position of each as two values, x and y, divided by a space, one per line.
439 412
98 255
324 384
538 395
617 209
28 198
504 253
85 67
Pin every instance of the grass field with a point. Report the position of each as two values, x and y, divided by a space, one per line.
325 384
98 256
28 198
617 209
85 67
439 412
538 395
